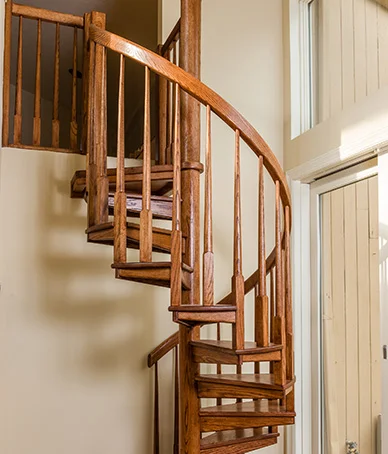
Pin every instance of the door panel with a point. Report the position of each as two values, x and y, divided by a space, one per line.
351 317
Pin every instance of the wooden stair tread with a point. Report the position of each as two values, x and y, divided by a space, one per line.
250 347
161 206
153 273
161 180
225 438
200 308
263 407
265 381
149 265
109 225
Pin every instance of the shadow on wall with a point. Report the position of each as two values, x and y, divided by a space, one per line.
86 334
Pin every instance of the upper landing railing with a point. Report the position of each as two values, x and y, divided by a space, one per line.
65 135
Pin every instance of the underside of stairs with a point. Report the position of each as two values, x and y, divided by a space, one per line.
160 206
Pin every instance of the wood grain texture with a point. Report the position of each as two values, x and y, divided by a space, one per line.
37 102
17 134
120 208
203 94
55 121
85 84
7 71
47 15
73 123
146 213
162 349
208 254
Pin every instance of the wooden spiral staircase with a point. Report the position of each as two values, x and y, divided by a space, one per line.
124 201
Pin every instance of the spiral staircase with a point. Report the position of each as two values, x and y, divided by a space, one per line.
122 204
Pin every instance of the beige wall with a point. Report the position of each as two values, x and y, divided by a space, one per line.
74 340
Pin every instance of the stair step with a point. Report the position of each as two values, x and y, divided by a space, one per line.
161 206
243 386
245 415
196 314
237 441
153 273
161 180
222 352
104 234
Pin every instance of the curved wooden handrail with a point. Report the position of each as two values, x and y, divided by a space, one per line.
47 16
163 348
173 36
201 93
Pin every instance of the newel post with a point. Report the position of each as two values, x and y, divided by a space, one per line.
190 61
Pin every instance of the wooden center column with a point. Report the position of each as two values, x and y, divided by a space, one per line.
190 61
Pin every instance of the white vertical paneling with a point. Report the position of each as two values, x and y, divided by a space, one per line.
359 50
351 328
382 27
371 46
347 30
335 54
329 341
374 305
338 286
364 316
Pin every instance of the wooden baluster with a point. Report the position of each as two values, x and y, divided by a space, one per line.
73 124
288 296
120 210
170 118
176 402
156 411
7 71
279 326
162 117
272 305
85 85
91 168
173 99
146 213
99 128
176 239
55 121
37 106
219 366
17 134
261 298
208 255
238 278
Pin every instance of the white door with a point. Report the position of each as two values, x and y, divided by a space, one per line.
350 318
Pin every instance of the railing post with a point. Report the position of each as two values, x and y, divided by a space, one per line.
85 85
7 70
17 125
99 126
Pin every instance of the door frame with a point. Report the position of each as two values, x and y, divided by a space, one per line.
306 295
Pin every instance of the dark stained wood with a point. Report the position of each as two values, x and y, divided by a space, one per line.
237 441
222 352
288 297
162 82
204 95
156 411
154 273
55 121
7 71
73 123
259 413
161 206
37 104
146 212
199 315
85 84
238 278
120 208
176 239
90 176
47 16
208 254
17 134
172 38
176 401
162 349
